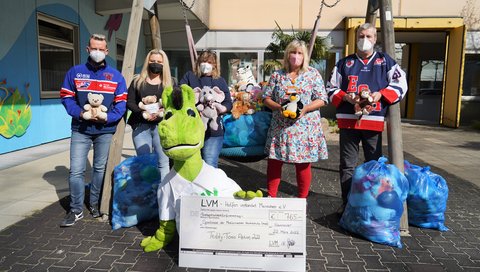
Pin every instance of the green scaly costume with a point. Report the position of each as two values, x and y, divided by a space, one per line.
182 134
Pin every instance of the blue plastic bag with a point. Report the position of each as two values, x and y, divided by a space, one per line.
375 202
136 180
247 130
427 197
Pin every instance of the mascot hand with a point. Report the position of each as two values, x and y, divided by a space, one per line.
163 236
248 194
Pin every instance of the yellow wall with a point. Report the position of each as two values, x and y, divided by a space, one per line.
301 14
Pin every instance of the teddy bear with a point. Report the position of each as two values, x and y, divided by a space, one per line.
209 105
293 107
150 105
94 108
363 103
242 105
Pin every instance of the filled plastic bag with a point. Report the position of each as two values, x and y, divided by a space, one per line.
135 184
375 202
427 197
247 130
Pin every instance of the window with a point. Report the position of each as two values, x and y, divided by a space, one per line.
58 52
471 80
120 54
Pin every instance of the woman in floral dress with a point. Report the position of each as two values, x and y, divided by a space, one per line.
299 140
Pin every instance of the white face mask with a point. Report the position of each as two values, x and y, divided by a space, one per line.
206 68
364 45
97 55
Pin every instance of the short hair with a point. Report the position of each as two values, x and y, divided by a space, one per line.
294 45
366 26
207 55
98 37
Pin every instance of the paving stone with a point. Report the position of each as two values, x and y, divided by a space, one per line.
105 262
94 254
35 256
355 266
80 265
333 260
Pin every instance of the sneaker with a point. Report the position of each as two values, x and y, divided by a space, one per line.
71 218
95 212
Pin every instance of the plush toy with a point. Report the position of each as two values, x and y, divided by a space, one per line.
292 108
245 79
242 105
363 103
209 105
182 137
94 108
151 105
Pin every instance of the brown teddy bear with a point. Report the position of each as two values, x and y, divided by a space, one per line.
151 105
242 105
363 103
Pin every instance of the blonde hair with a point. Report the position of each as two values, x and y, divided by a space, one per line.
206 56
166 76
292 46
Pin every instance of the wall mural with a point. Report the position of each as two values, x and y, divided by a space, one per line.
15 111
113 24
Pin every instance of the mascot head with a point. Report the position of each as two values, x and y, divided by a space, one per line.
181 130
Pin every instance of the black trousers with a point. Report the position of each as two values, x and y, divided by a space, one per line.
350 140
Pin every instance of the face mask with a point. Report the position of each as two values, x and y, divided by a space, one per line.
364 45
206 68
296 59
155 68
97 55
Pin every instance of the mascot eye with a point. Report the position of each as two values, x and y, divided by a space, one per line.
191 113
168 115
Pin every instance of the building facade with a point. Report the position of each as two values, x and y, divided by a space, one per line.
438 45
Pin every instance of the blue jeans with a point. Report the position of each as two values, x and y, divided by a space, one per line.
211 150
146 140
79 147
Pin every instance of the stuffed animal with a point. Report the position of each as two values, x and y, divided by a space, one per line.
363 103
245 79
293 107
182 137
151 105
209 105
94 108
242 105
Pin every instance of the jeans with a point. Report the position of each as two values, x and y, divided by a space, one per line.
211 150
79 147
349 147
146 140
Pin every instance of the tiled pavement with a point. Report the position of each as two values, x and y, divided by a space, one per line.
38 244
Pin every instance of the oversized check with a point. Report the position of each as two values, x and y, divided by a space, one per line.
258 234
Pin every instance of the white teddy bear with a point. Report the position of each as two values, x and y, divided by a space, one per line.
95 107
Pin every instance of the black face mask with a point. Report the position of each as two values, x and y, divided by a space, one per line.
155 68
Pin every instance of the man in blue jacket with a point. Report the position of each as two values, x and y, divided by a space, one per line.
94 77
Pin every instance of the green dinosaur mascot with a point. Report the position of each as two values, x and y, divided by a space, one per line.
182 134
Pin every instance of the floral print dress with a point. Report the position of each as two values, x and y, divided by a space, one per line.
301 140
